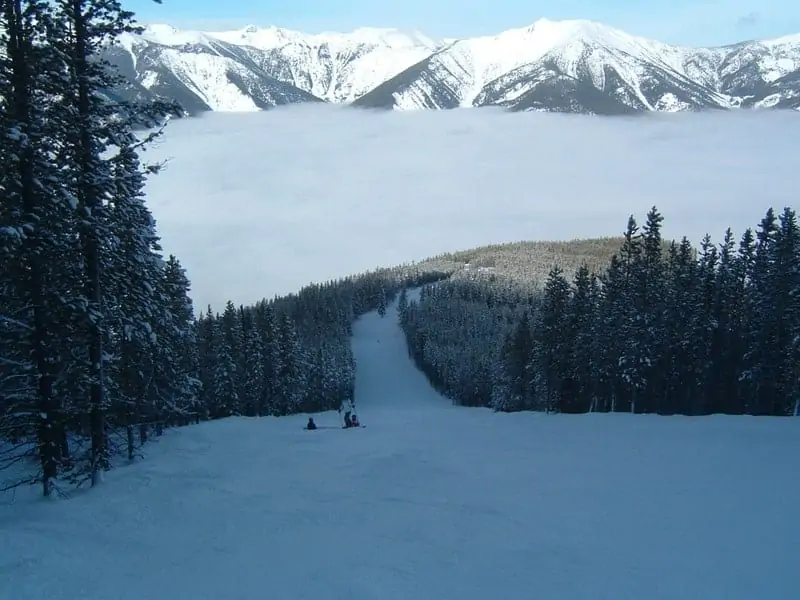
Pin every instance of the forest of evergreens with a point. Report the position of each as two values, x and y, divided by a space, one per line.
679 331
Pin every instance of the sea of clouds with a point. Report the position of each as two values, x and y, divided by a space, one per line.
258 204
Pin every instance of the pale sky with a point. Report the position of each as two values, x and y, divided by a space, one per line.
691 22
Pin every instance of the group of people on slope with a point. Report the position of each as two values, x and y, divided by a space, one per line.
350 417
351 420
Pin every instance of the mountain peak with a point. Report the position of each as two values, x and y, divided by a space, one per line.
572 65
381 36
160 29
583 29
167 35
785 40
544 22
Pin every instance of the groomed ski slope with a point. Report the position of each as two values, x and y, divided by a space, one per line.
429 501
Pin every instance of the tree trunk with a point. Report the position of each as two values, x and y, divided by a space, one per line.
142 433
131 443
19 47
87 193
63 439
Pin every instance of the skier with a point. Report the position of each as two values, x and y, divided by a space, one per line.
348 408
354 421
311 426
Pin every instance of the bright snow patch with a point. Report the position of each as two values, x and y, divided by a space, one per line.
669 102
149 79
776 68
429 501
769 101
168 35
208 76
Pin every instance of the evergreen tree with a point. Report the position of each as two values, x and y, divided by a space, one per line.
763 358
552 358
630 367
224 398
253 392
611 322
131 262
382 302
402 304
290 380
176 386
513 390
35 231
582 314
784 318
681 372
273 363
649 314
205 350
728 342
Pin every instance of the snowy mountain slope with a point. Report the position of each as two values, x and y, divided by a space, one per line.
337 67
783 92
564 66
763 74
429 501
254 68
582 66
202 73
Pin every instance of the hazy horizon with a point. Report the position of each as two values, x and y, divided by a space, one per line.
258 204
681 22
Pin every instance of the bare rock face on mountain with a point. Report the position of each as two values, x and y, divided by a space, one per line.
565 66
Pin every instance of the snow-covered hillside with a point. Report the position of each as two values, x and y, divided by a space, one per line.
200 72
584 66
571 45
335 67
561 66
429 501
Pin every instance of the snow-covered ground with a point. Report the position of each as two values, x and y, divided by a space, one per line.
262 203
429 501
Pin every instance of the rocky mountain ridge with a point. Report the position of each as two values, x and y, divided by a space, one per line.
558 66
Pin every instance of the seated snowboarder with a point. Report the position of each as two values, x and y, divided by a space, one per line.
347 421
311 425
354 421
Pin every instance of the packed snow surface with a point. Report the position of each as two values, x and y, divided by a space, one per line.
429 501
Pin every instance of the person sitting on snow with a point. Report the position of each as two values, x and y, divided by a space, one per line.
311 425
354 421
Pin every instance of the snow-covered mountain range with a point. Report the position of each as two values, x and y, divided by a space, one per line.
559 66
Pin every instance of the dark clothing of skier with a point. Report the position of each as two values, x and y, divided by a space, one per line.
347 421
311 425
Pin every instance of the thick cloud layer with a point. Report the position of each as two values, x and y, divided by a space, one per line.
259 204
